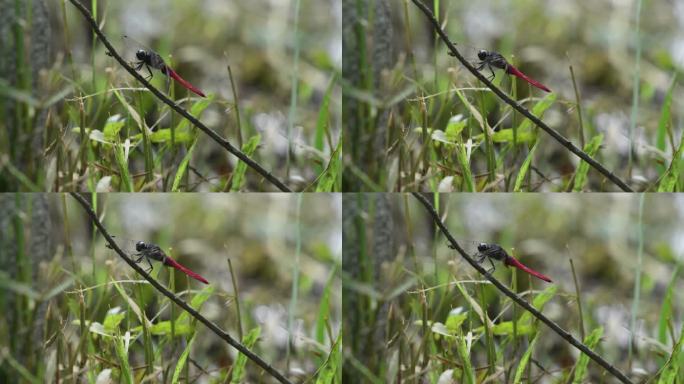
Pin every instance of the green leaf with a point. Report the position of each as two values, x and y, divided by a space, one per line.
581 174
506 328
454 128
322 124
181 361
112 127
324 307
196 110
464 163
668 183
121 157
248 149
239 367
665 119
163 328
522 366
507 136
590 341
182 167
672 367
538 110
333 172
455 319
331 369
113 319
122 354
523 169
164 136
464 356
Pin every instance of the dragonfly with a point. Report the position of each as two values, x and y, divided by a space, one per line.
492 59
146 57
152 251
494 251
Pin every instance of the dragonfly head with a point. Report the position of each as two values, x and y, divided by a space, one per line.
141 54
482 247
140 245
482 54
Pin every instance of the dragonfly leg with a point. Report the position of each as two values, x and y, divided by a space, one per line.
492 71
150 77
139 259
490 271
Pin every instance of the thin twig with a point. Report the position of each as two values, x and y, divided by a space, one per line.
213 327
215 136
524 111
555 327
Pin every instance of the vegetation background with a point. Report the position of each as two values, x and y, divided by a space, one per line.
414 308
417 120
72 310
71 118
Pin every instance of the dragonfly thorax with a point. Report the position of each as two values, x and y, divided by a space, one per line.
142 54
140 246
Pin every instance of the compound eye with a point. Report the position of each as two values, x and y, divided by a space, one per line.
482 247
140 54
140 245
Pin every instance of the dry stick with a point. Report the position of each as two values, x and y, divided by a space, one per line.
555 327
556 135
217 138
215 328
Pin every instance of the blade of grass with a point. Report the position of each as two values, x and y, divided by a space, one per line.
182 360
581 371
581 175
323 121
239 174
122 163
524 168
182 167
239 368
122 353
522 366
665 120
668 183
331 370
333 172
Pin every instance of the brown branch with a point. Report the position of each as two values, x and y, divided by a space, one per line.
215 136
524 111
555 327
213 327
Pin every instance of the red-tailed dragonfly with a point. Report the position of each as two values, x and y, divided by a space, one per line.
148 58
149 251
489 59
491 251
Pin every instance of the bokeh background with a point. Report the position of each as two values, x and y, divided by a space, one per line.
626 59
284 58
621 253
285 252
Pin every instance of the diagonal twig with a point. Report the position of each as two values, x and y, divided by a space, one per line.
555 327
524 111
212 326
211 133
